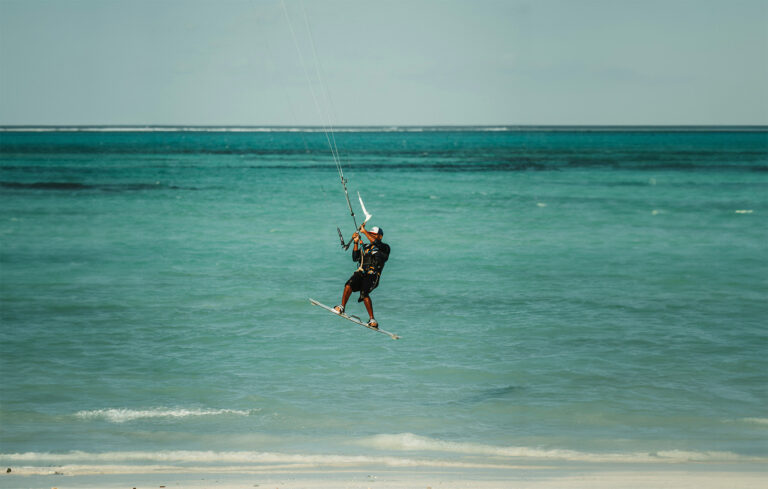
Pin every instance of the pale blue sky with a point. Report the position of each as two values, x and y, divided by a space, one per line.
232 62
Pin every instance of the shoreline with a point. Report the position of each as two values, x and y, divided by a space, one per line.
691 475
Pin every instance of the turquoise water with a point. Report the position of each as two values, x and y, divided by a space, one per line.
560 294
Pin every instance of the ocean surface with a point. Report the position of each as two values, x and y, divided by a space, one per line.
561 294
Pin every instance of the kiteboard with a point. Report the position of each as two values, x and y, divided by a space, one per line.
354 319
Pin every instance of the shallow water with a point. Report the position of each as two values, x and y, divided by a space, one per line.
573 295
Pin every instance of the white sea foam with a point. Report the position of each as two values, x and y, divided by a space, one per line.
400 450
411 442
125 415
763 421
80 463
477 456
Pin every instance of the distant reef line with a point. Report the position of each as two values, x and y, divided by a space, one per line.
385 128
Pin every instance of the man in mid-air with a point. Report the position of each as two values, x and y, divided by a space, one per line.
372 258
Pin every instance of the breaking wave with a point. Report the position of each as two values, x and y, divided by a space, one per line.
416 443
125 415
403 450
761 421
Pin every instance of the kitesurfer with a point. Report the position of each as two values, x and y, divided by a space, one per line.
372 258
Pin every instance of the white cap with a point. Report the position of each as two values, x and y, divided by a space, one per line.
377 230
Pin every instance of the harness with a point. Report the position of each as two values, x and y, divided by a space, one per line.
369 262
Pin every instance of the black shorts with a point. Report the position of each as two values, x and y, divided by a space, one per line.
363 283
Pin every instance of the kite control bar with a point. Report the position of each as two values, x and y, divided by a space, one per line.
367 217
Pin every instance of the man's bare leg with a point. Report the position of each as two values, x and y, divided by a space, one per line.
344 298
369 308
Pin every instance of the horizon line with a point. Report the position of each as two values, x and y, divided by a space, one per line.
376 128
